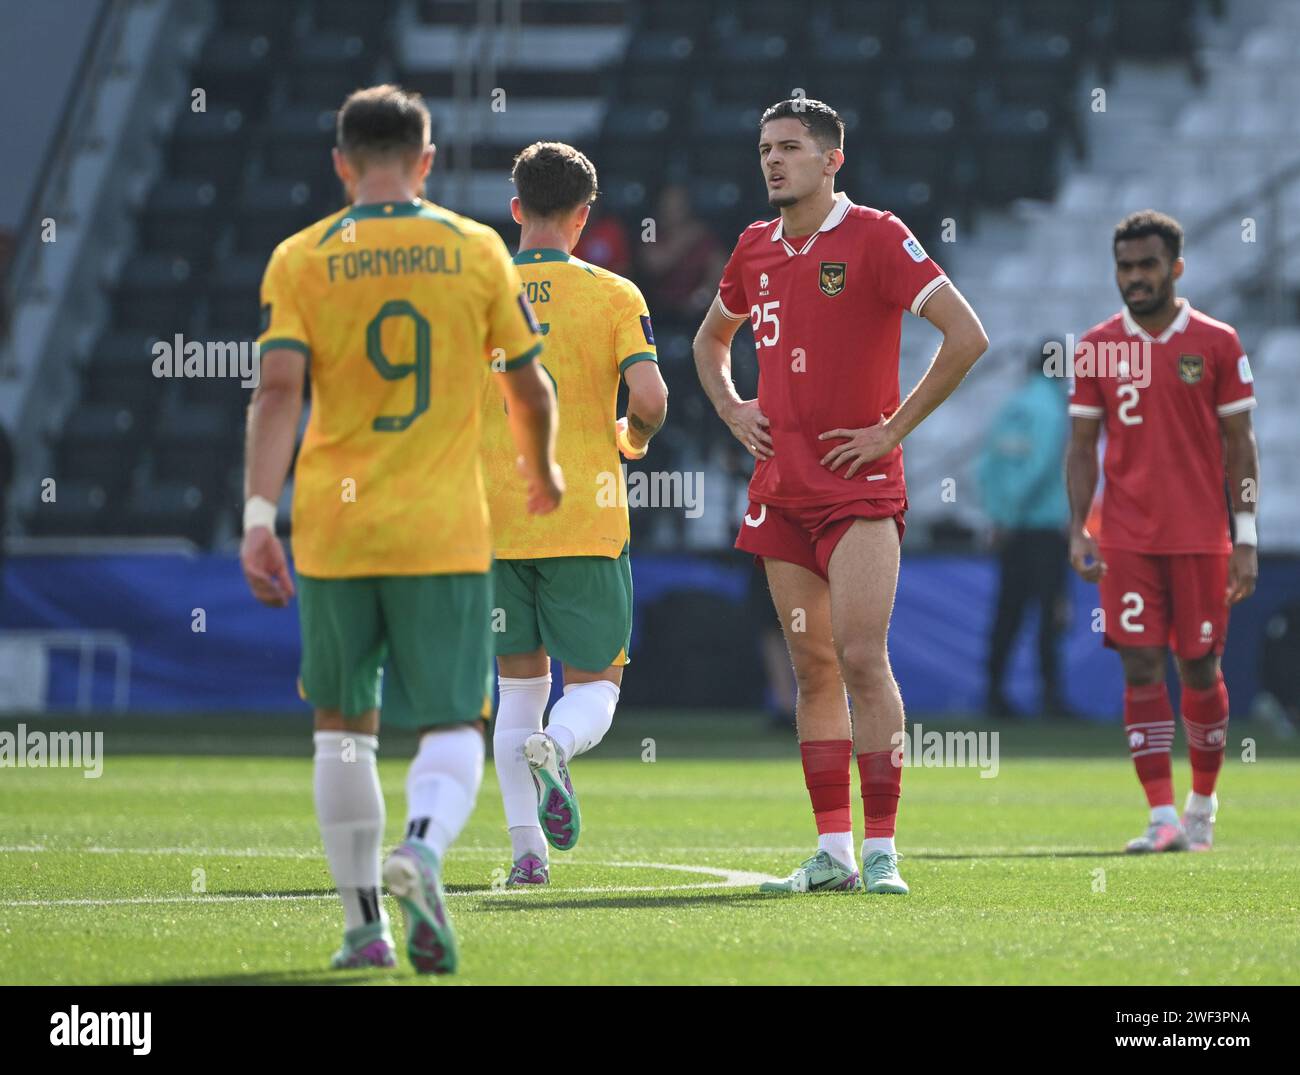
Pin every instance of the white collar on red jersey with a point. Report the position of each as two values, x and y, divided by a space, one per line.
839 210
1176 325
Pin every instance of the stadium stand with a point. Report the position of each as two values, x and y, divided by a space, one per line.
977 119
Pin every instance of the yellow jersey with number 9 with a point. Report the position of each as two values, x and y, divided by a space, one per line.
400 308
596 325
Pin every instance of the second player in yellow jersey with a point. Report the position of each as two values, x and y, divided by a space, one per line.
563 584
596 326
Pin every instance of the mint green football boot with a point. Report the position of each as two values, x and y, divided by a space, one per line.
370 945
881 868
557 805
412 874
821 873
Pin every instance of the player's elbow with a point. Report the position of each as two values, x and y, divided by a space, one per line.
650 403
276 397
974 341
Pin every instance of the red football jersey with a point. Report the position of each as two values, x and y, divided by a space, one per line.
827 311
1161 399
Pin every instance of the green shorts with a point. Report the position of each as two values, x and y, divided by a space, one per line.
578 607
419 645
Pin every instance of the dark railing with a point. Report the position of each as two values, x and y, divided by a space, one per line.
49 189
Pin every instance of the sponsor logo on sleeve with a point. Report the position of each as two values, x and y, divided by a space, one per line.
914 249
526 309
647 329
1243 370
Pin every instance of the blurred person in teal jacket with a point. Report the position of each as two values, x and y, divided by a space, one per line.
1021 481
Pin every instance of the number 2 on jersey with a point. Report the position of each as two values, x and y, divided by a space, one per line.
1128 394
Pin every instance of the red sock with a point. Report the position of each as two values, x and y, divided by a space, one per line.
1149 722
882 783
826 772
1205 719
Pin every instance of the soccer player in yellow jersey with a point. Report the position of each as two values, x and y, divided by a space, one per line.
563 584
402 309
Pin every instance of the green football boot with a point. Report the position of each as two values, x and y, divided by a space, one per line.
370 945
557 805
821 873
411 873
881 868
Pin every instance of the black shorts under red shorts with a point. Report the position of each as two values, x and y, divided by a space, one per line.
808 535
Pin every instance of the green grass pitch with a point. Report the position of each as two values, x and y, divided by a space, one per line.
156 872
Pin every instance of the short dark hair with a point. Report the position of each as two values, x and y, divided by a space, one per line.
382 121
553 178
821 120
1148 222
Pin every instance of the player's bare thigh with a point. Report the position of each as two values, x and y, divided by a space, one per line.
538 663
803 605
863 572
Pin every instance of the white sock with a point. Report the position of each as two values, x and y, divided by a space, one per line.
581 718
528 840
1202 804
350 811
442 784
519 715
839 845
1166 815
878 843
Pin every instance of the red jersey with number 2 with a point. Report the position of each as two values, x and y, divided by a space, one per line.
826 311
1161 400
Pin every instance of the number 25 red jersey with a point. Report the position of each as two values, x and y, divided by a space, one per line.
826 311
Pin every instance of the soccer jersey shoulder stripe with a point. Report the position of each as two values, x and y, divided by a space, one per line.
1237 406
524 359
640 356
923 296
285 343
727 313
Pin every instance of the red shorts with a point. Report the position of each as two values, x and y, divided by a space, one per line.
808 536
1175 601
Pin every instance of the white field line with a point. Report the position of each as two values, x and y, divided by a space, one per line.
318 853
722 879
503 853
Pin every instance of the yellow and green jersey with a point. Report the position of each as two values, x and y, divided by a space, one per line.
400 308
596 325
